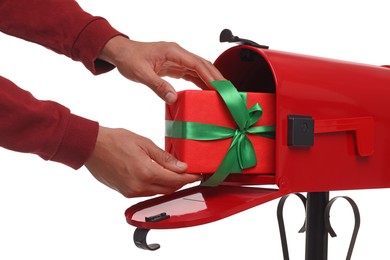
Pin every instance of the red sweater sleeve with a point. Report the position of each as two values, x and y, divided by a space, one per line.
46 128
60 25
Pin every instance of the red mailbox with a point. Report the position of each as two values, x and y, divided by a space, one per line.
331 117
332 123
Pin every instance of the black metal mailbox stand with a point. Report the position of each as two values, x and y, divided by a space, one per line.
317 225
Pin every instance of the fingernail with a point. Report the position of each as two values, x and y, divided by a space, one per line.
170 97
181 164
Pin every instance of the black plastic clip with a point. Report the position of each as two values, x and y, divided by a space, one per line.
282 228
300 131
140 234
227 36
356 227
157 218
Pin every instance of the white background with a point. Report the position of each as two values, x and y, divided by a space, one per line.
49 211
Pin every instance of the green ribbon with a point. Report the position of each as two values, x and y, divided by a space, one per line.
241 154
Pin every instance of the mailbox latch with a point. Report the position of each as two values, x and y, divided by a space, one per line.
300 131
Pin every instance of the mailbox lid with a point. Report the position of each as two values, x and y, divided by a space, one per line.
325 90
198 205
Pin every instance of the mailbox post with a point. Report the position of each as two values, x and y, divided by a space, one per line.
316 233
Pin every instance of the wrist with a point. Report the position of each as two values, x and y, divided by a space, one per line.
111 51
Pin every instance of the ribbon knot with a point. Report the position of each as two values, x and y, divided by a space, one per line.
243 148
241 153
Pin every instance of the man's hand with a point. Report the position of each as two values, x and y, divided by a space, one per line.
134 166
146 63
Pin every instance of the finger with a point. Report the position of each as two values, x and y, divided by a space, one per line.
165 159
197 81
178 72
206 72
205 69
172 180
174 70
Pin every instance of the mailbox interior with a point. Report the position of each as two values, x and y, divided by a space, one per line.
247 69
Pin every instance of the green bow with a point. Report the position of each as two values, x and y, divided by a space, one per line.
241 154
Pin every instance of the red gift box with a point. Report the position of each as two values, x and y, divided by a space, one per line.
207 107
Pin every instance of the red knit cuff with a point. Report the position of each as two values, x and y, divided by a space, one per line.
78 142
90 42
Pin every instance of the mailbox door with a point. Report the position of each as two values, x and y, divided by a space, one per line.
332 119
197 205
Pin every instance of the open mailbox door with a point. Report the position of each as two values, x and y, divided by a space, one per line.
196 206
332 125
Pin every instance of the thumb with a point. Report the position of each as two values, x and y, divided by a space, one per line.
162 88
